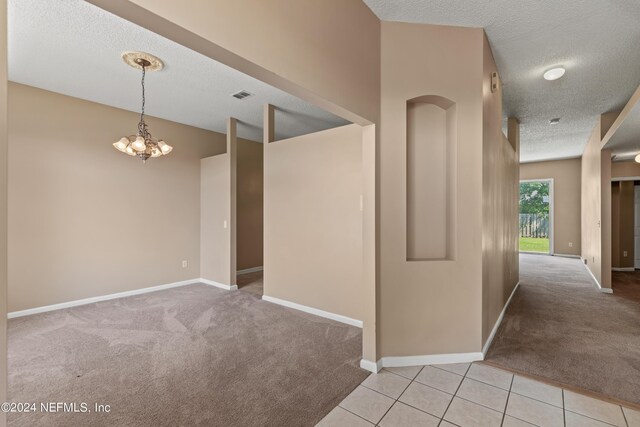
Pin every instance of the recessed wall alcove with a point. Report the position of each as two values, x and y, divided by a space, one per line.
431 178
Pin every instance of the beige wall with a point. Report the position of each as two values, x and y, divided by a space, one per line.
500 189
291 50
249 210
590 201
416 298
596 208
86 220
3 206
629 169
215 219
566 177
622 224
313 221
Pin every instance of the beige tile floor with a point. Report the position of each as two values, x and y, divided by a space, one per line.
469 395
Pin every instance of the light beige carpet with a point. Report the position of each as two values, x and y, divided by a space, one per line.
194 355
251 282
559 326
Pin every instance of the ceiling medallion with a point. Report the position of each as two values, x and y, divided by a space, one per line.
142 145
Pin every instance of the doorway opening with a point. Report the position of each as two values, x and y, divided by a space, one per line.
536 216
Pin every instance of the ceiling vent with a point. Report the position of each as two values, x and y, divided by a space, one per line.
242 94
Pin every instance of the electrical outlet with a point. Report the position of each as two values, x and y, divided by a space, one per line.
224 224
624 253
185 264
570 244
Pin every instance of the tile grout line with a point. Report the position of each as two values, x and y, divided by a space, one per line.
506 404
399 396
414 407
537 400
353 413
624 415
595 419
454 394
519 394
564 411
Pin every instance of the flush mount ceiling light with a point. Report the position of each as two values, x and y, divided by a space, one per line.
554 73
637 158
142 145
554 121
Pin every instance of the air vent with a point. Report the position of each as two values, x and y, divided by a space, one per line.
242 94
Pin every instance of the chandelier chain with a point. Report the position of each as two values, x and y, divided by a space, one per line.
144 69
142 126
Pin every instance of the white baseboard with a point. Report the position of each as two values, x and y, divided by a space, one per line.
91 300
117 295
430 359
623 269
315 311
218 285
567 256
598 285
370 366
497 324
250 270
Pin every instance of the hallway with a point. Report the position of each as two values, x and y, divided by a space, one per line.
560 327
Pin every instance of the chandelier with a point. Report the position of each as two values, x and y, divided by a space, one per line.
142 145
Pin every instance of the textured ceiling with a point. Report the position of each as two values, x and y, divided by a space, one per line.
72 47
595 40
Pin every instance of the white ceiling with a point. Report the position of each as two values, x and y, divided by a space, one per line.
595 40
73 47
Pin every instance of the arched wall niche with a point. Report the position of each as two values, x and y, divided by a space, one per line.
431 178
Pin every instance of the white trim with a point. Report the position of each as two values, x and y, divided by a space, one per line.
250 270
430 359
315 311
370 366
92 300
567 256
623 269
117 295
218 285
550 160
625 178
495 327
600 288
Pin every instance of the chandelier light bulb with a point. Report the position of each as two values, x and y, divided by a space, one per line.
164 147
122 144
139 144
